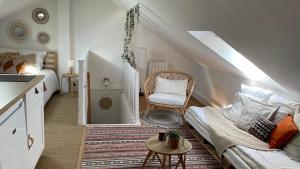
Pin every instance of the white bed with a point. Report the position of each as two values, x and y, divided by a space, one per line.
263 159
51 83
45 63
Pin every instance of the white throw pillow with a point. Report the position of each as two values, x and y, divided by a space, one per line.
286 107
232 113
40 55
256 92
170 86
251 110
284 102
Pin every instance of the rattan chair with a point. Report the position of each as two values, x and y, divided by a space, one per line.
149 88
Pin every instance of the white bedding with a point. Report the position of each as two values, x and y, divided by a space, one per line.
51 82
265 159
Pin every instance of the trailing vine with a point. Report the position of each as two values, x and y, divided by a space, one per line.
132 18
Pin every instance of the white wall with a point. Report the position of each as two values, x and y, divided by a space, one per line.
57 27
158 47
63 37
97 25
26 16
212 86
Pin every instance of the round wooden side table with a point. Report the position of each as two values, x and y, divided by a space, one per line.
157 148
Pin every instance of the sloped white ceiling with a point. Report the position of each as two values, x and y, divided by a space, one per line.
266 32
8 7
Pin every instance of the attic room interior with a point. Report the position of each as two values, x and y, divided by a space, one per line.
147 84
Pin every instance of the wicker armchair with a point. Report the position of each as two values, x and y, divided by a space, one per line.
149 88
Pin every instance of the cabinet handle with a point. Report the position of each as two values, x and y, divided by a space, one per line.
14 131
30 141
36 91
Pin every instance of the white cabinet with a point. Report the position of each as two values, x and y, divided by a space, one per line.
35 124
22 131
13 137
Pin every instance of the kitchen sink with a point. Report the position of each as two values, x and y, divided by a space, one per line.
15 78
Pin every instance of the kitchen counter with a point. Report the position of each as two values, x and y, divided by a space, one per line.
11 92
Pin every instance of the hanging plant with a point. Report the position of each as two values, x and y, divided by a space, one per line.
132 18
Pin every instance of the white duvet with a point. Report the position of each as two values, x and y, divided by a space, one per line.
51 82
265 159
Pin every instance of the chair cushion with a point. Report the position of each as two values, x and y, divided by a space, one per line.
166 98
171 86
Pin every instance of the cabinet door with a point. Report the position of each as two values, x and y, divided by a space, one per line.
35 124
35 133
13 140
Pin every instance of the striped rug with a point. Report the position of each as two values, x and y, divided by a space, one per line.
123 146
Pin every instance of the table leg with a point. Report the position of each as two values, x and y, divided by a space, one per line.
170 165
61 79
154 156
183 161
146 159
71 86
178 161
164 161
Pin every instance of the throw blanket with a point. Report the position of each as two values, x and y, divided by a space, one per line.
225 134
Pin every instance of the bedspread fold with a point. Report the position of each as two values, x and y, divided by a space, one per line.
225 134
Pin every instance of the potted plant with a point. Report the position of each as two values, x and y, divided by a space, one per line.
173 138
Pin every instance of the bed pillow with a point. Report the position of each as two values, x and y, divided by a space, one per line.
232 113
40 55
10 63
251 111
262 128
292 148
256 92
31 65
171 86
284 102
284 131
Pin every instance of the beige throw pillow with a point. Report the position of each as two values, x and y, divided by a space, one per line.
251 111
10 63
232 113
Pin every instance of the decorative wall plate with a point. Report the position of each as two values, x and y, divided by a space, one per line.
40 15
105 103
43 37
18 31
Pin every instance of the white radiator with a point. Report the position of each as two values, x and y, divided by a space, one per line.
155 66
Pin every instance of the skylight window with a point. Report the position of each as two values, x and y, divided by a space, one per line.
230 54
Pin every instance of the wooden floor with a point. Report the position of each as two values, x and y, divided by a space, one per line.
62 134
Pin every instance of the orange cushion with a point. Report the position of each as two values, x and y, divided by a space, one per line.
284 131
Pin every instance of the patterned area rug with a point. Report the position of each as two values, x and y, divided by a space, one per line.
124 147
161 118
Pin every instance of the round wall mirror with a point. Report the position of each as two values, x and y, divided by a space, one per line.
18 31
43 37
40 15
